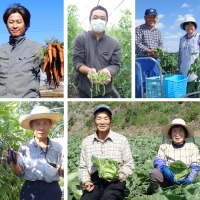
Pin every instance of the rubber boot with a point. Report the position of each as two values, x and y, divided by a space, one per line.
154 187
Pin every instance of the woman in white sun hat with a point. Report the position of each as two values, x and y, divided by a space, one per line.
189 43
39 161
176 149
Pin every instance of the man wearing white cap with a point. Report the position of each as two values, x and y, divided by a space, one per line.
147 38
39 161
177 149
189 43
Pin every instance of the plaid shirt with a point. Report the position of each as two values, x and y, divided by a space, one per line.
147 39
188 154
115 146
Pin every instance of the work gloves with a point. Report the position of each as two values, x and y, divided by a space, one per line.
192 175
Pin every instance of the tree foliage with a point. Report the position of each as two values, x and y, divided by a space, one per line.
122 33
12 136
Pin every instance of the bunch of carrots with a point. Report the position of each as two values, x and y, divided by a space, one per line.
53 63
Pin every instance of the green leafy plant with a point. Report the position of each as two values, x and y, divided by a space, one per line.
107 168
159 51
180 170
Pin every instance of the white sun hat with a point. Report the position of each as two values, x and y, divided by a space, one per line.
39 112
188 19
165 130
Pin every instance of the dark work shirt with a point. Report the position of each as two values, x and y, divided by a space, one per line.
104 53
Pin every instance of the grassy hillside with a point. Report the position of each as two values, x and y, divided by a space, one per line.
134 118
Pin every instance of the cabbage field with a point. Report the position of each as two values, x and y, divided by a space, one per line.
144 151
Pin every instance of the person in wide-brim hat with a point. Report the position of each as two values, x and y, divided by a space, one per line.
166 130
40 112
176 150
40 160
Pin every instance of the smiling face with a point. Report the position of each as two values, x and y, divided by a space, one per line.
151 20
189 28
102 122
41 128
178 134
15 25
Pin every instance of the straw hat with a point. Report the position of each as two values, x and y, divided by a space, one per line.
39 112
165 130
188 19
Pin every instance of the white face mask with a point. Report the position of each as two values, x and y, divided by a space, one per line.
98 25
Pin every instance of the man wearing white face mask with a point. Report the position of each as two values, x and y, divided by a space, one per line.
94 51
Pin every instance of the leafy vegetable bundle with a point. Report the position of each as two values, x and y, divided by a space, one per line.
107 168
180 170
53 60
98 79
159 51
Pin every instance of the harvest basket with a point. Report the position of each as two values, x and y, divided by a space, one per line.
175 86
153 86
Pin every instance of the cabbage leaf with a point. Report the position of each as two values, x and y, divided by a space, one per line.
180 170
107 168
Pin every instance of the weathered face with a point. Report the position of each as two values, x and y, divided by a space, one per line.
102 122
15 25
178 134
41 127
151 20
190 28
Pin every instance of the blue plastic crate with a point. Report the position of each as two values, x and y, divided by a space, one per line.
175 86
153 88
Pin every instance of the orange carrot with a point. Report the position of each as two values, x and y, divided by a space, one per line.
61 68
48 73
50 52
46 61
54 52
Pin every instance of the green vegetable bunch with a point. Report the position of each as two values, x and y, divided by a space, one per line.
98 79
107 168
159 51
180 170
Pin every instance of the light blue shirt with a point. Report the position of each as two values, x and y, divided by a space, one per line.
33 161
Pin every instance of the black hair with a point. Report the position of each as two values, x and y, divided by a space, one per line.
17 8
98 8
185 130
102 110
187 23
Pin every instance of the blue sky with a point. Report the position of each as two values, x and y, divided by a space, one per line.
47 20
170 13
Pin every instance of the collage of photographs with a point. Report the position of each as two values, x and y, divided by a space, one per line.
124 123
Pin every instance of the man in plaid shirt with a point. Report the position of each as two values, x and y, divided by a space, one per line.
104 143
177 149
147 38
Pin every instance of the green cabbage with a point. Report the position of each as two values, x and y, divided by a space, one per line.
180 170
107 168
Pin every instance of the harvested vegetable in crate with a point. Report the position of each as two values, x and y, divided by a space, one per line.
98 79
53 60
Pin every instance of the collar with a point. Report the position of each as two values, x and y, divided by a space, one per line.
17 40
50 146
145 25
193 35
101 38
110 136
177 146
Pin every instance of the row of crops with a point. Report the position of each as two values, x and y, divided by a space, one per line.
144 151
